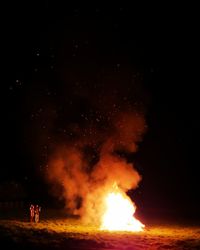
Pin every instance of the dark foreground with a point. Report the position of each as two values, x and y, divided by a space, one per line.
62 233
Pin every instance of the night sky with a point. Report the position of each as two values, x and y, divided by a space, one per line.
57 59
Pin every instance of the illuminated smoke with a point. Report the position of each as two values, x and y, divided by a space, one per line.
104 123
84 182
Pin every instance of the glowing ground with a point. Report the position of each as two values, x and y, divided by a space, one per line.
70 234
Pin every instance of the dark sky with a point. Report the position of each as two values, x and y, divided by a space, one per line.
52 57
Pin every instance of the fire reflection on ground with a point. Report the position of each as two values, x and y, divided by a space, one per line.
62 233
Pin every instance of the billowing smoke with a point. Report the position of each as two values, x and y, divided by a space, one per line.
93 158
83 183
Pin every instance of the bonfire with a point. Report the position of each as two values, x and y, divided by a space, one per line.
119 212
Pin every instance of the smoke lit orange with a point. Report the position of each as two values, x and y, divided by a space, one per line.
88 188
119 213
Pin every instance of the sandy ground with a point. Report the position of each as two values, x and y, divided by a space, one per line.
62 233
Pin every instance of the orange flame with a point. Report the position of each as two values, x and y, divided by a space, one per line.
119 213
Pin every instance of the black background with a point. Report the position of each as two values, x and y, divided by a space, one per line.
42 42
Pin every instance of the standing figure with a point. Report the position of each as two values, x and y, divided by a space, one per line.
32 213
37 213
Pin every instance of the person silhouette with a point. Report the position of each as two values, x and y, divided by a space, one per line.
37 213
32 213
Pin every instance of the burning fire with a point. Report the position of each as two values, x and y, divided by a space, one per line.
119 213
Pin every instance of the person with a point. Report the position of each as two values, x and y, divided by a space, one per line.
32 213
37 213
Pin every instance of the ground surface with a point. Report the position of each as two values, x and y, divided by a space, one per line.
68 233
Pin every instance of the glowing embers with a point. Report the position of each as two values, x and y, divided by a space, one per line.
119 213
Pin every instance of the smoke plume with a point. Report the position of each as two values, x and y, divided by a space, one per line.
91 160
